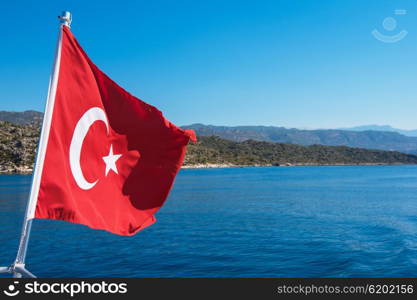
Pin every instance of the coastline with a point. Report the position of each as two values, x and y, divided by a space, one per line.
228 165
28 171
16 170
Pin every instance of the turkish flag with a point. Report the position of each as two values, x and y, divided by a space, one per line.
111 159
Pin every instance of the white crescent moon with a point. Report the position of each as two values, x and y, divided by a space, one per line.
81 129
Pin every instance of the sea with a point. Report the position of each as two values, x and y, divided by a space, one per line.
330 221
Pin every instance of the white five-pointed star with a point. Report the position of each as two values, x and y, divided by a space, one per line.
110 161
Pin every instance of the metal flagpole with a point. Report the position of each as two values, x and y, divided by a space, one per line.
18 267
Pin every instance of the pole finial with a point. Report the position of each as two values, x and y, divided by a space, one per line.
66 18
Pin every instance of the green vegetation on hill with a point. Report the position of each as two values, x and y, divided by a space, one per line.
215 150
18 145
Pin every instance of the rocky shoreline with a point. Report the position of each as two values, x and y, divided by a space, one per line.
220 166
28 171
16 170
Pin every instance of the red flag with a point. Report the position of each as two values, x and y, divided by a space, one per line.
111 159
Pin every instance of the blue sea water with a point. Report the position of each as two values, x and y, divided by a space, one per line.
240 222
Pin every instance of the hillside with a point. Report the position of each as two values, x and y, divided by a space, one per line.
391 141
22 118
215 150
367 137
18 145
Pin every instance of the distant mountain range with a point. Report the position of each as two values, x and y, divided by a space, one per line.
21 118
388 128
369 139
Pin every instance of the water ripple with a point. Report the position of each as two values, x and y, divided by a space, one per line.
243 222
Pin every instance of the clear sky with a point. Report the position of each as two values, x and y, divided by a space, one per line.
293 63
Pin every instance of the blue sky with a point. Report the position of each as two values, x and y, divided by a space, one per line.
293 63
